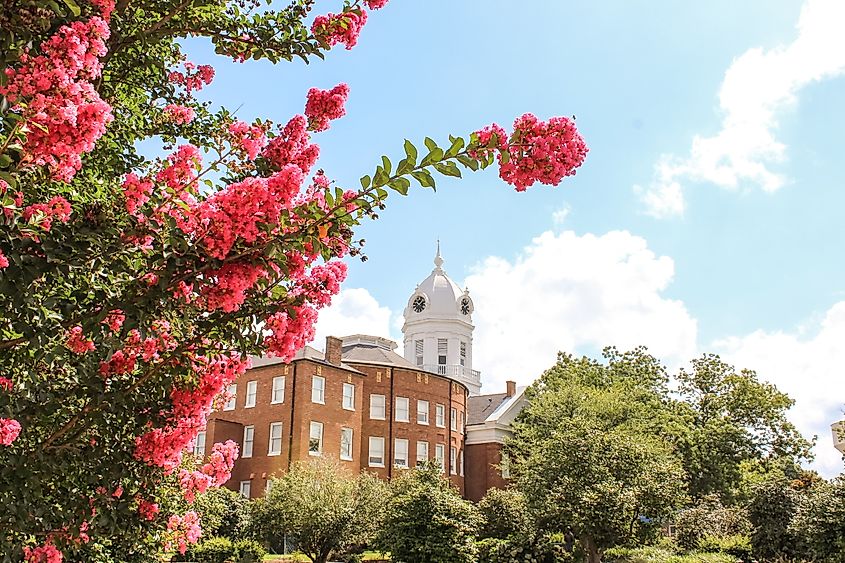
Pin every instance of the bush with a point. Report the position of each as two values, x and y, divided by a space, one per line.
709 518
737 545
520 550
213 550
660 555
248 551
504 513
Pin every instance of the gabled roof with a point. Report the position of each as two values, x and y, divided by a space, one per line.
362 353
306 353
482 406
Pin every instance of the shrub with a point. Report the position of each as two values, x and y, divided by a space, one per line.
709 518
248 551
518 550
504 513
660 555
736 545
213 550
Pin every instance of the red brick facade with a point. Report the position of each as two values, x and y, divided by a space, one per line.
482 469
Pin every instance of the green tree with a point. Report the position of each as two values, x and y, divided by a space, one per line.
819 523
325 508
504 513
223 512
427 521
587 453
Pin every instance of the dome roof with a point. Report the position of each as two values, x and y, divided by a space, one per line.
437 295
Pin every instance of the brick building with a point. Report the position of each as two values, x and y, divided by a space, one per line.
362 403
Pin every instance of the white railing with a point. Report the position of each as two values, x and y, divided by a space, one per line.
453 370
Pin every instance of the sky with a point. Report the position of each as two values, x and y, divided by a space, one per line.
706 218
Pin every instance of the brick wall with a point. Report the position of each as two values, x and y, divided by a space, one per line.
482 474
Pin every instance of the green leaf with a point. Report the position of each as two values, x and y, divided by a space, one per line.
401 185
447 169
405 166
411 151
365 181
424 178
467 161
435 155
380 177
429 142
457 145
74 7
386 163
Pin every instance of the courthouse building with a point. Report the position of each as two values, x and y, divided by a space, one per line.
362 403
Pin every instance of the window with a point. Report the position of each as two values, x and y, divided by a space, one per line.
249 435
278 395
199 445
346 444
318 389
349 396
246 487
418 351
422 452
422 412
463 353
462 426
275 447
461 463
376 453
454 418
453 460
315 443
402 409
233 395
440 416
440 456
442 349
400 452
505 466
377 407
268 486
251 392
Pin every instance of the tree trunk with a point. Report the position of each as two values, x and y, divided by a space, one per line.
592 550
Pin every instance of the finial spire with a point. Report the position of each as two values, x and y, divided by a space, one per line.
438 261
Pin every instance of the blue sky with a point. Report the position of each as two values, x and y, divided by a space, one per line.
731 247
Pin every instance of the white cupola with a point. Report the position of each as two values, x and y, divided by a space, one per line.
438 328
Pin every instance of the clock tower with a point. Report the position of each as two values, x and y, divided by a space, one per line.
438 328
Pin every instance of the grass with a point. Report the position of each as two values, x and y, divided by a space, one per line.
298 557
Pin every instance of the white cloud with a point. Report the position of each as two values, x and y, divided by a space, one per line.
757 87
353 311
560 215
808 369
577 294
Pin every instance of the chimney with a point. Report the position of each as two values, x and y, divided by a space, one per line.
334 349
511 388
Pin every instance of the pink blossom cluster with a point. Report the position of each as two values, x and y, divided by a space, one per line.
195 76
248 138
147 510
375 4
289 332
293 146
213 473
77 343
6 384
46 553
537 151
163 447
106 7
43 214
114 320
181 168
232 281
180 115
339 28
4 262
9 431
148 349
137 192
324 105
64 115
323 282
183 531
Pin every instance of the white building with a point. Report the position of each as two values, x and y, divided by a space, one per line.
438 328
838 431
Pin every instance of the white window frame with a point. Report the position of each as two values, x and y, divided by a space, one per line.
422 452
318 392
274 427
423 408
278 394
453 418
251 394
199 444
453 460
418 351
349 404
440 415
463 424
249 441
461 463
401 444
370 449
406 410
268 486
344 456
315 424
246 488
440 456
373 405
233 397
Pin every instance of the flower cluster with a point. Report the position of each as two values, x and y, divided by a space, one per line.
537 151
340 28
4 262
9 430
249 138
293 146
375 4
137 192
195 76
182 531
46 553
323 282
106 7
63 114
77 343
213 473
147 510
232 282
6 384
43 214
180 115
289 333
325 105
124 361
114 320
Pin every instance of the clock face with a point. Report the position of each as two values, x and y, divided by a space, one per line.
418 304
465 307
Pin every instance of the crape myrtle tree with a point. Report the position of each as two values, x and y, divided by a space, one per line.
132 289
